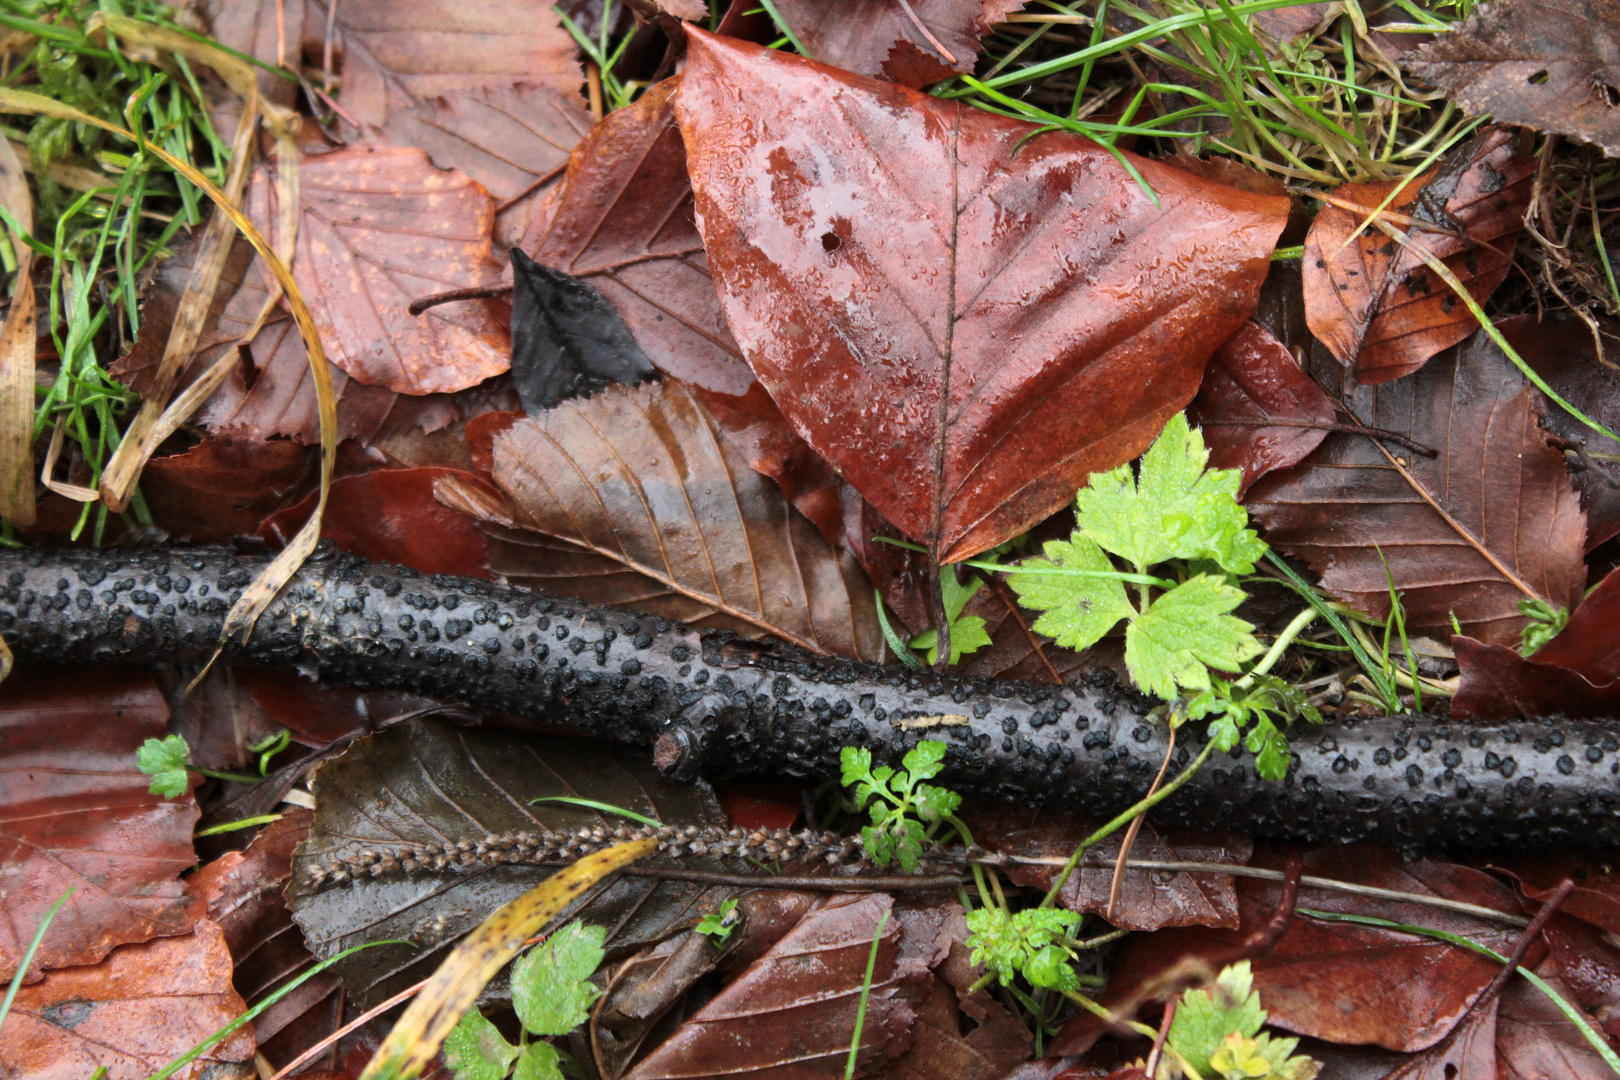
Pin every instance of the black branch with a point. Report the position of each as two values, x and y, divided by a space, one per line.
709 701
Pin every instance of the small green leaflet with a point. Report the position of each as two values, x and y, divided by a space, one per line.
474 1050
1186 632
895 796
1177 510
164 760
550 988
967 634
1010 944
1218 1033
1078 611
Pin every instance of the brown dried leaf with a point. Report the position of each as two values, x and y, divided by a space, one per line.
883 39
1374 303
623 221
1553 65
643 477
1497 683
76 813
1258 410
491 89
223 488
1596 898
18 341
132 1014
1534 1040
931 298
378 228
1489 522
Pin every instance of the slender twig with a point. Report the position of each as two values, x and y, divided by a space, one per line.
1347 429
1135 827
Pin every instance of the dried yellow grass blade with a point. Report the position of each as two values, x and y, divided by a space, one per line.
452 989
17 355
245 612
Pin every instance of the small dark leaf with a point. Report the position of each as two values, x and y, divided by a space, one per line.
567 340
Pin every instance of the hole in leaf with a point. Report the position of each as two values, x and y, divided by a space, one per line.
1538 78
1451 1071
1609 94
831 241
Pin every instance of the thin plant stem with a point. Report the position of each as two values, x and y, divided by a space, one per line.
866 990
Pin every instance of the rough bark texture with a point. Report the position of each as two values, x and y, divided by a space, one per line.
712 701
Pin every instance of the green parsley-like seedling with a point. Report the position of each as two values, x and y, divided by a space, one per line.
1218 1033
164 760
719 924
552 995
1028 943
901 805
967 632
1546 622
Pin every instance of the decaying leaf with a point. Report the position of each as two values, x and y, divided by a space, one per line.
935 302
913 43
223 488
76 813
1535 1040
1553 65
1374 303
380 227
17 346
643 477
567 340
1488 522
491 89
132 1014
1258 410
623 222
422 782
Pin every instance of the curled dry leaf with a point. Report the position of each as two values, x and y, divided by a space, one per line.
643 477
1488 522
378 228
1259 411
132 1014
1553 65
623 222
76 813
422 781
491 89
1373 302
964 320
913 43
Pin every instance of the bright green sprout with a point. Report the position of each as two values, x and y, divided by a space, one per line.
1546 622
967 633
901 806
1031 942
1218 1033
720 924
164 760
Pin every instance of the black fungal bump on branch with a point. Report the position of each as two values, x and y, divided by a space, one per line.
709 701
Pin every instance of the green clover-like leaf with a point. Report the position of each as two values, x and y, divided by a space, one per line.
164 760
856 762
475 1050
550 988
540 1061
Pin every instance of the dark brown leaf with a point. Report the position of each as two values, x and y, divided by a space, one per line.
1252 380
1470 1050
1596 874
887 39
1489 522
642 477
623 221
378 228
320 713
1534 1040
1148 899
421 782
132 1014
1374 303
223 488
939 315
1548 64
75 813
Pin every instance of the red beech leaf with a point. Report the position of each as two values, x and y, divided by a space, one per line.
378 228
1596 874
75 813
317 713
639 481
1376 305
1487 523
1587 962
623 221
1534 1040
1470 1051
1251 380
965 321
132 1014
223 487
881 39
1590 643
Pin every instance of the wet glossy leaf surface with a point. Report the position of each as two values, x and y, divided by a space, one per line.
567 341
1488 522
887 295
422 782
1374 303
223 487
76 813
878 38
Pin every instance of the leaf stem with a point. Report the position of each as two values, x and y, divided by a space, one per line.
1284 639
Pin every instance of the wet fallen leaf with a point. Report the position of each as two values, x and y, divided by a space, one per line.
940 1048
1148 899
1470 1050
1374 303
76 813
423 781
792 1013
913 44
491 89
319 713
567 340
1016 651
267 30
378 228
241 894
1534 1040
642 477
1489 522
623 222
132 1014
1546 64
1589 964
390 515
1596 874
223 487
1259 411
942 317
